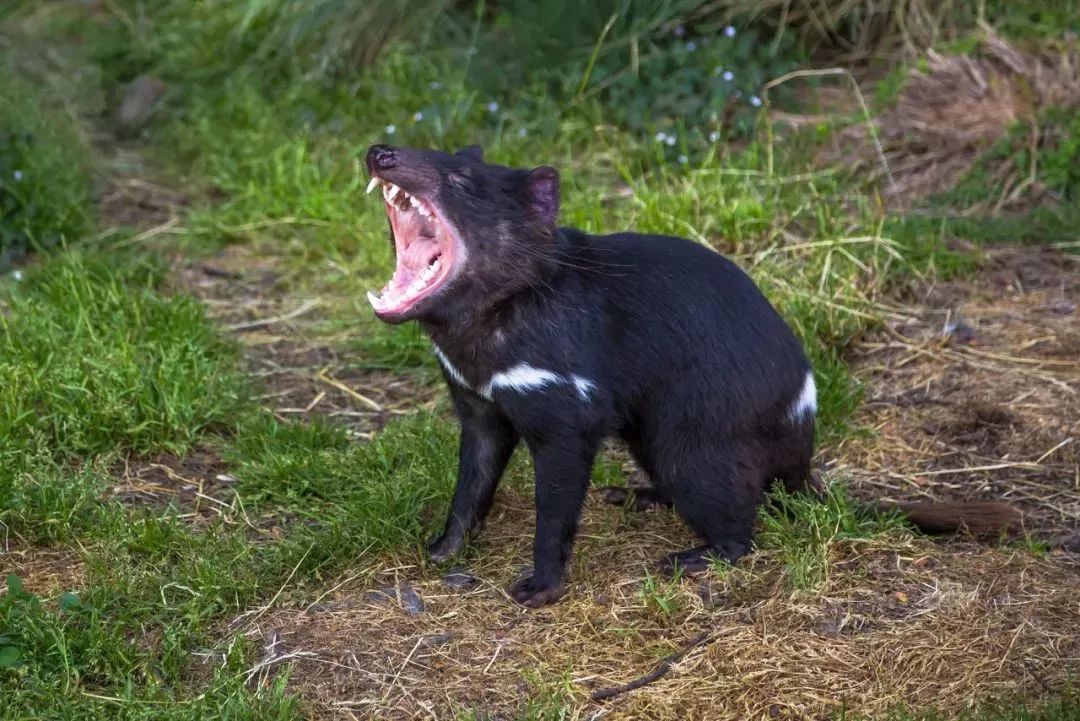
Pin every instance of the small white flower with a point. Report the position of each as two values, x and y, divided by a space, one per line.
17 274
522 132
493 107
683 159
670 140
755 101
391 129
435 85
661 137
729 76
691 46
18 176
418 116
714 136
730 31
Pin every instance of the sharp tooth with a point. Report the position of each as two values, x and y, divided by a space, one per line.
394 190
414 202
374 300
374 183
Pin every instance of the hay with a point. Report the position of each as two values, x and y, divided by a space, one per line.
994 415
955 107
905 622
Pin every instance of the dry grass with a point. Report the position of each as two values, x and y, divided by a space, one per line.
858 27
45 572
991 411
904 622
300 368
956 106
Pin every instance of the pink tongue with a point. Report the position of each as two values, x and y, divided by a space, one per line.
420 253
413 261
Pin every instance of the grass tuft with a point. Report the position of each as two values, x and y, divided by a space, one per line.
810 534
93 360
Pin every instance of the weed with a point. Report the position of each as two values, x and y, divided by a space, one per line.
662 597
808 533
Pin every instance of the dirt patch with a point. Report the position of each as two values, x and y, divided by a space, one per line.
199 484
299 368
992 412
901 621
45 572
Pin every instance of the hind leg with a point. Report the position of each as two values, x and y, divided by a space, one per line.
791 455
640 494
643 491
716 490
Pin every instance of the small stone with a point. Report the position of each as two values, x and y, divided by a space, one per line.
140 98
410 600
436 639
459 578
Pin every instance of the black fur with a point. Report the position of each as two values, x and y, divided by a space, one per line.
690 364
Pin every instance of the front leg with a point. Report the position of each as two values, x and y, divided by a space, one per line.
487 442
562 465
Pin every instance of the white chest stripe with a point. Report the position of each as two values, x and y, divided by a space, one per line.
806 404
522 377
451 371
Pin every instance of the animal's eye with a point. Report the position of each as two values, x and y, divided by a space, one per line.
459 179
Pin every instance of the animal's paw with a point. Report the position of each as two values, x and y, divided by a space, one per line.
531 594
445 547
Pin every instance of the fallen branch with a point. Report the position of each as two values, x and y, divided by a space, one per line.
656 674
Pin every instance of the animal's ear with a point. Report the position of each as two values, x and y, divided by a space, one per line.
543 189
473 152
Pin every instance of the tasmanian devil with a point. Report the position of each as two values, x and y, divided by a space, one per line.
561 339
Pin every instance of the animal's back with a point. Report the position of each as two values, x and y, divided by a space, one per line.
684 319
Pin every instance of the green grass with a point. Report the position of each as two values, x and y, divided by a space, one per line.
264 124
44 178
94 360
809 534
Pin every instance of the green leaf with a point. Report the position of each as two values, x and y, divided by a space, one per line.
9 657
70 602
15 585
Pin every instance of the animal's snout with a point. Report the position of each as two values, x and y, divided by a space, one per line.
381 157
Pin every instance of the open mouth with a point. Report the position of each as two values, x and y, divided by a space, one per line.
425 248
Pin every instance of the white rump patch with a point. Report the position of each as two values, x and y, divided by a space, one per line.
805 405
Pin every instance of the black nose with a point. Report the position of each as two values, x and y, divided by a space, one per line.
381 157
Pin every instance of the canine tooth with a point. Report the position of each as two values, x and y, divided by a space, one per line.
373 299
394 190
372 184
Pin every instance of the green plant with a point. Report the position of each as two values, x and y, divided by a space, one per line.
93 360
44 182
808 533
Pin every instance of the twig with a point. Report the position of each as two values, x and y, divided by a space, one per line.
322 376
263 322
656 674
